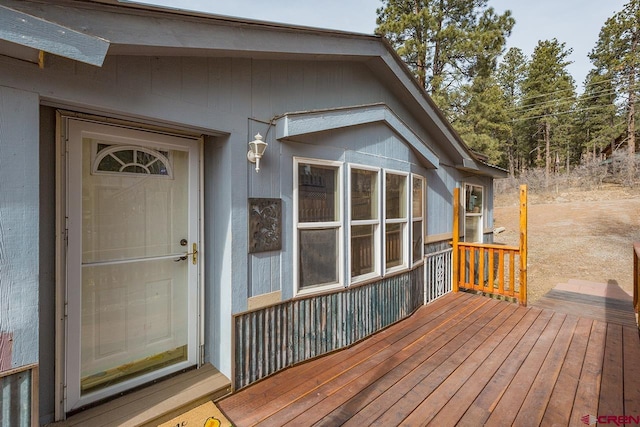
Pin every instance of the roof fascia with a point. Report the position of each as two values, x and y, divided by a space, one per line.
42 35
291 125
192 34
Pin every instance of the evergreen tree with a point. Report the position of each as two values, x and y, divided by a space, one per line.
445 42
548 99
597 114
510 76
617 54
484 123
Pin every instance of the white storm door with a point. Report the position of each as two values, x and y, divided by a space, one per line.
132 274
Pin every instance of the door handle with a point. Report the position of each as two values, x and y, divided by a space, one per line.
194 255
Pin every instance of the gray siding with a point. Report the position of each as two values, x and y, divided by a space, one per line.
227 99
19 194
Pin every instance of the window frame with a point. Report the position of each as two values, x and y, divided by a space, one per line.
480 214
337 224
404 222
422 218
377 223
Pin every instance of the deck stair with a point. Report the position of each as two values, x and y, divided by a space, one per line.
157 403
606 302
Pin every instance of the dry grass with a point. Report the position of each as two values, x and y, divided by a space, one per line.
582 234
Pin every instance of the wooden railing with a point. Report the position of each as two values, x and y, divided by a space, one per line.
636 277
490 268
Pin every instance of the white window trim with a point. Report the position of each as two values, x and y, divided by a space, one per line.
480 214
405 232
377 235
339 224
421 218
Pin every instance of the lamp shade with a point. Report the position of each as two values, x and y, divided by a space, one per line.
257 146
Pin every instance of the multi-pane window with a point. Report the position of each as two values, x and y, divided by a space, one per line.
365 222
473 213
116 159
319 220
417 216
384 219
396 218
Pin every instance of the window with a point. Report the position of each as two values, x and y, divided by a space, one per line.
365 223
417 217
384 223
132 160
319 220
473 213
396 218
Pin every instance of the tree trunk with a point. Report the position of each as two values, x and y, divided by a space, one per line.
422 59
631 128
547 160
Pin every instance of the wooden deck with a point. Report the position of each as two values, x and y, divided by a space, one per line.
157 403
462 360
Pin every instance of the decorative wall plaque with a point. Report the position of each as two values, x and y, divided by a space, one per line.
265 225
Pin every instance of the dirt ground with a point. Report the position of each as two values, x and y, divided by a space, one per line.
586 235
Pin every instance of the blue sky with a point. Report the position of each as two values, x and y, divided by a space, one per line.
574 22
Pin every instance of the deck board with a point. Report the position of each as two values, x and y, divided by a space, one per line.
161 401
558 410
463 360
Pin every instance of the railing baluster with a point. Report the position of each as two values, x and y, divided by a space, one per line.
481 283
501 271
472 267
491 270
512 273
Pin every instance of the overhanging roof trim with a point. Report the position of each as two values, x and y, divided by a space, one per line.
40 34
309 122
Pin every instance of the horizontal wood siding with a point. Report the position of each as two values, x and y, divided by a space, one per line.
273 338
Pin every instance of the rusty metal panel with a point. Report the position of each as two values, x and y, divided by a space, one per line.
273 338
15 399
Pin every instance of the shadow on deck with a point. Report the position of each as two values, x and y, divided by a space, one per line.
462 360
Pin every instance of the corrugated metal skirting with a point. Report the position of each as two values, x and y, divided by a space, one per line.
273 338
15 399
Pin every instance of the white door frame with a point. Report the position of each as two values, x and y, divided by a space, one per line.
67 242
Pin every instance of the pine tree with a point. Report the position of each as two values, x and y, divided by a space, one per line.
617 54
510 76
547 100
445 42
483 122
597 114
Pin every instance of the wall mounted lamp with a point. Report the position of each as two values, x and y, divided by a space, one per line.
256 150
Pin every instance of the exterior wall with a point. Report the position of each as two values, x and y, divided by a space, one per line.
228 99
19 241
19 194
373 145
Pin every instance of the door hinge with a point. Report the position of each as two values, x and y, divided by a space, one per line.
201 355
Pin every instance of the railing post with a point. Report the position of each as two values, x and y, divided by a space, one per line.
636 277
456 239
523 245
